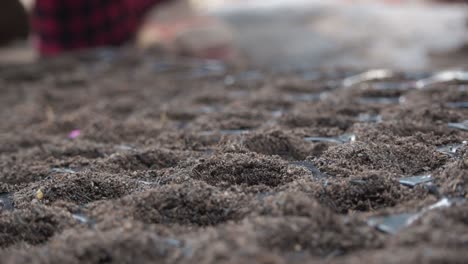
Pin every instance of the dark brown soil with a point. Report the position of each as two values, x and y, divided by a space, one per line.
176 161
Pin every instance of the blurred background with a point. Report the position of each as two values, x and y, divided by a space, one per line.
397 34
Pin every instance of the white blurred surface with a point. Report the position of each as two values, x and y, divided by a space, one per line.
391 34
28 3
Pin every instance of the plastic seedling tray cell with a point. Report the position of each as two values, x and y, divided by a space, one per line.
338 140
6 202
372 75
415 180
462 125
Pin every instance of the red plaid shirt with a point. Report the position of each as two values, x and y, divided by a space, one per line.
65 25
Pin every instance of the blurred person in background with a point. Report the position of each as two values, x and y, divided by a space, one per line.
60 26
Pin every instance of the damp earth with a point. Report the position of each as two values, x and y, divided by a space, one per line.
141 159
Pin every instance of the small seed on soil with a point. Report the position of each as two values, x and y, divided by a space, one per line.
339 140
443 77
462 126
6 203
415 180
39 195
372 75
457 105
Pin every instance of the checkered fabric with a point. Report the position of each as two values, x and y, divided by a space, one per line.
66 25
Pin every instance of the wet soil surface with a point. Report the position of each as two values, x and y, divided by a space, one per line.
112 157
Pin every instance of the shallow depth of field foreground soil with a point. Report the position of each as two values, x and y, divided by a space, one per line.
116 158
